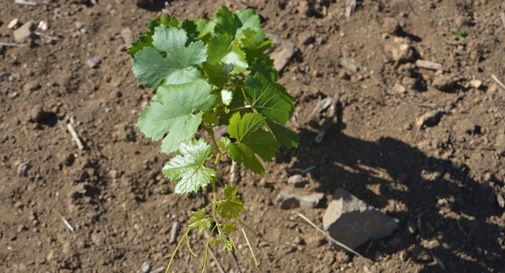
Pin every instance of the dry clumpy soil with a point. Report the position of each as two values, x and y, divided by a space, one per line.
424 146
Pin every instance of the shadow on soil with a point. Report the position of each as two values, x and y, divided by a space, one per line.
445 209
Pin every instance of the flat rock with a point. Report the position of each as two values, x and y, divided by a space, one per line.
352 222
127 36
349 64
445 82
282 54
24 32
287 199
93 62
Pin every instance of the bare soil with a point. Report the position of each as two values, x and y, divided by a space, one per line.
442 181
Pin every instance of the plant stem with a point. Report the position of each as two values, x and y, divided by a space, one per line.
206 254
175 250
250 248
213 139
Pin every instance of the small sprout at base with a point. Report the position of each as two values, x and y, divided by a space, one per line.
460 33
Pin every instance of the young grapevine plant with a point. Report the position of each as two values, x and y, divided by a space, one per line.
209 73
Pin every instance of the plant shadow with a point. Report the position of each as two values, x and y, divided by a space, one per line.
443 213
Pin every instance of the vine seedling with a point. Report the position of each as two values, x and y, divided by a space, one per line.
209 73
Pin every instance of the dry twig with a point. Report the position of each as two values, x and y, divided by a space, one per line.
75 137
498 81
67 224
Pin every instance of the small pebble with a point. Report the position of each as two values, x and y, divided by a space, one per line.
23 169
13 23
145 267
93 62
297 180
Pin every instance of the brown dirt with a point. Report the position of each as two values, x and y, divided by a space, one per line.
440 182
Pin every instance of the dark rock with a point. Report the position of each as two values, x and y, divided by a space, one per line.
353 222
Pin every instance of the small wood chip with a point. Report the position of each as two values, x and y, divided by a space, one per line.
502 16
173 232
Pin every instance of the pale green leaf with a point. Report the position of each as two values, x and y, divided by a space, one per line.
199 221
188 169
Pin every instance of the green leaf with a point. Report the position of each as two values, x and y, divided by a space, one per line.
229 227
199 221
242 154
176 111
236 58
250 32
226 22
188 169
176 64
231 206
204 27
228 245
268 98
250 140
283 135
146 39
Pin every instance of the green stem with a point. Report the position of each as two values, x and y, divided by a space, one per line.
213 139
250 248
252 231
175 250
206 255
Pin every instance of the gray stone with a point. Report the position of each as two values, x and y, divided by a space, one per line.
288 200
24 32
282 54
353 222
93 62
145 268
127 36
349 64
23 169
